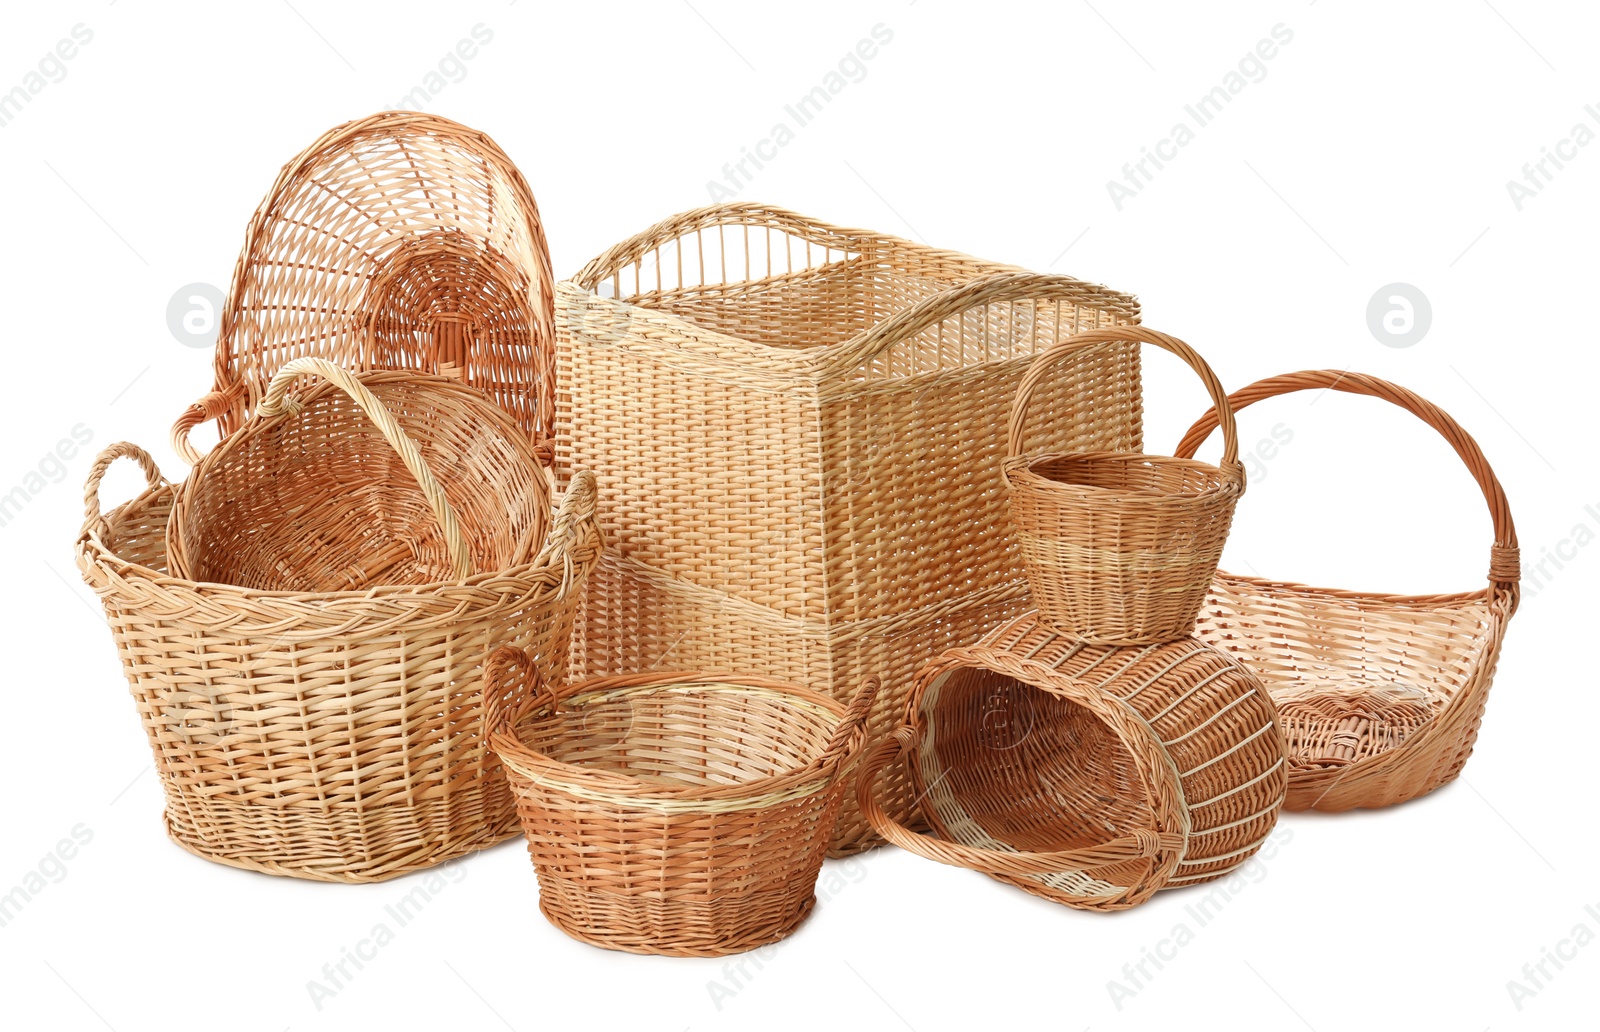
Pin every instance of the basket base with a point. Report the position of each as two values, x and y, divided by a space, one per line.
1329 730
290 858
669 928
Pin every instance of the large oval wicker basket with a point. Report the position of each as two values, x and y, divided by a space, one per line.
1381 695
683 813
1090 775
327 735
1119 547
398 241
334 489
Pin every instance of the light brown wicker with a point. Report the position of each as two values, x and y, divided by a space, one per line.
1091 775
794 429
1120 547
683 814
333 490
1381 695
337 735
398 241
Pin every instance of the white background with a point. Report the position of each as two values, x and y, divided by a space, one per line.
1376 149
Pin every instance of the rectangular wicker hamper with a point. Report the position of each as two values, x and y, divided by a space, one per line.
798 431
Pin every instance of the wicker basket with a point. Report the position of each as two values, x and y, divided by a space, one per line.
1091 775
794 429
341 495
683 814
398 241
335 736
1120 547
1381 695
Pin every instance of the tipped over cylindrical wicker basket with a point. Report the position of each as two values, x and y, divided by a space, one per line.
1090 775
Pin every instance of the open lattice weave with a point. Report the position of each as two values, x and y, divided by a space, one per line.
398 241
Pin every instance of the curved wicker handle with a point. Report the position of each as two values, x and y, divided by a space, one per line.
1141 845
995 289
275 403
510 680
852 730
92 513
212 406
575 534
613 259
1504 556
1134 334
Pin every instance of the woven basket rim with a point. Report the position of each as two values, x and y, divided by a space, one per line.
561 566
806 779
1227 483
1490 594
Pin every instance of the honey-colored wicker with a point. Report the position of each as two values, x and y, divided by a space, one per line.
1120 547
335 736
333 490
1381 695
398 241
684 814
794 428
1091 775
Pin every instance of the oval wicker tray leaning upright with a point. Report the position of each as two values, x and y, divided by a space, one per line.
1381 695
398 241
335 736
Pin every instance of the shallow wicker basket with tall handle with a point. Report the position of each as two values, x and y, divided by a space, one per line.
1381 695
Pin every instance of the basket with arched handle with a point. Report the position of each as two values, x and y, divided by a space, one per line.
1120 547
332 488
330 735
1381 695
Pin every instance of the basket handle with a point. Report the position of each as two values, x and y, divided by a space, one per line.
994 289
1134 334
1504 555
852 730
92 512
510 680
738 214
276 403
1141 845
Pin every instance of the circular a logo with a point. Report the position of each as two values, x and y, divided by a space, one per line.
1399 315
193 315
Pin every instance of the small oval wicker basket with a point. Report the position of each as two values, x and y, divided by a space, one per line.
1381 695
1119 548
333 490
684 814
1090 775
